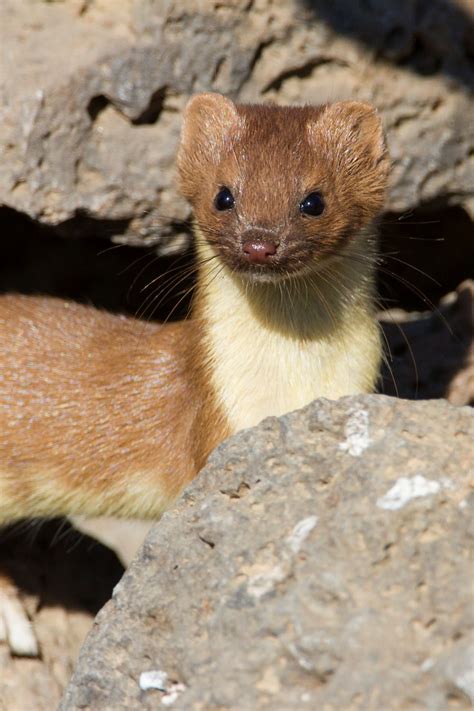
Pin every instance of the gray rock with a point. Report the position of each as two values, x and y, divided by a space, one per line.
319 561
89 126
92 129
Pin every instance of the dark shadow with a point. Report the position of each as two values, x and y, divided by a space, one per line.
425 254
75 260
429 351
150 114
426 37
96 105
60 565
153 111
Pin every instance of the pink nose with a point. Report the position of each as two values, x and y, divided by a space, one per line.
258 252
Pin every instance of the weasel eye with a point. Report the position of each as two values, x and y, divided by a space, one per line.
224 199
313 204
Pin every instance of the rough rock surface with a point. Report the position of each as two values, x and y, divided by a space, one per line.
89 126
320 561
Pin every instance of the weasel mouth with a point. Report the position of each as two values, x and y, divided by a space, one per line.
273 271
264 260
264 272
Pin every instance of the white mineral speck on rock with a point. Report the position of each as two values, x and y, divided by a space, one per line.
406 489
259 585
300 532
303 661
357 433
155 679
460 668
465 682
427 664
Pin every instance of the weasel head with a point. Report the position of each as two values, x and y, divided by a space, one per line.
276 191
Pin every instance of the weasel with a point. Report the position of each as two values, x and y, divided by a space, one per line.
104 415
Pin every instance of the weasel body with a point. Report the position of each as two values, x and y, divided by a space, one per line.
288 314
95 412
102 414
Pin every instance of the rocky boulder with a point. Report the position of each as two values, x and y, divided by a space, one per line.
319 561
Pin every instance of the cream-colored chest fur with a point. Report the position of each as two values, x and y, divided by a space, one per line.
273 350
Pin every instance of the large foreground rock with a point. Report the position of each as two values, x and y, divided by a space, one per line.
320 561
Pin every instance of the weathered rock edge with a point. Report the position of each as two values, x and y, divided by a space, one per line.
320 560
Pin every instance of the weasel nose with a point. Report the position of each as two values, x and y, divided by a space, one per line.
258 252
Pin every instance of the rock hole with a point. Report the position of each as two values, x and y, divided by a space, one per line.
456 699
238 493
96 105
301 72
438 103
258 54
206 541
152 112
220 65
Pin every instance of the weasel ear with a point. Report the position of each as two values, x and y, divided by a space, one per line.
352 126
208 118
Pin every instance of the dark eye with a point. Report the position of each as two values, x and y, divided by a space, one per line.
224 199
313 204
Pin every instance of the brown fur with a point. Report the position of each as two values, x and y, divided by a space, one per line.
101 414
94 407
271 157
